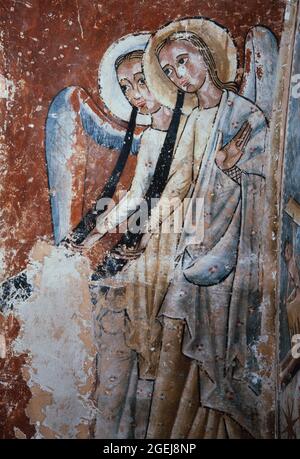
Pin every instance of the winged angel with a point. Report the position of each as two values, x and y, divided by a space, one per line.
146 83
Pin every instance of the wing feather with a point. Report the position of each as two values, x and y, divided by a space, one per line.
73 123
102 132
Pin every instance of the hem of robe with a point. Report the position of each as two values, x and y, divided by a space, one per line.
178 417
238 350
228 408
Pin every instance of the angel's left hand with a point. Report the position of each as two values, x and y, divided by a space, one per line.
87 244
132 254
229 155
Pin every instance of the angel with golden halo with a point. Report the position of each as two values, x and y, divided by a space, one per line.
208 382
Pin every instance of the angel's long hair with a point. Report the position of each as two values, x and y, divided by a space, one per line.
206 54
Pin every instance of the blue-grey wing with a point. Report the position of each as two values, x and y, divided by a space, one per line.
72 119
102 132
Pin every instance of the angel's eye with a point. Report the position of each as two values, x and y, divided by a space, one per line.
124 88
168 71
142 81
182 60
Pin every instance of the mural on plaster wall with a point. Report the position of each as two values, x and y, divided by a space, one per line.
157 196
161 284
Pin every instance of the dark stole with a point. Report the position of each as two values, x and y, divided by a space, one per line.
112 265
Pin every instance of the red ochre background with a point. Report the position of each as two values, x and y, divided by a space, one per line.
48 45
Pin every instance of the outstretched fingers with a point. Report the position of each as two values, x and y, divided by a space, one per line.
243 135
219 141
127 254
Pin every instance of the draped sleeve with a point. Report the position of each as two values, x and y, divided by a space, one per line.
147 157
252 161
217 261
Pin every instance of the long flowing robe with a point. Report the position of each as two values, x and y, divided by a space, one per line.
212 326
126 314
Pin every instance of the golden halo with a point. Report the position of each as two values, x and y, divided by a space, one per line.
217 39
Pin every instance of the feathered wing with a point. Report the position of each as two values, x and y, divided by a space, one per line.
261 57
82 148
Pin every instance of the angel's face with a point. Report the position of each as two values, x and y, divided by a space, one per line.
183 64
134 87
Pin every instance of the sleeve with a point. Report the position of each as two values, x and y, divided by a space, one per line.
234 173
214 266
131 200
253 160
179 181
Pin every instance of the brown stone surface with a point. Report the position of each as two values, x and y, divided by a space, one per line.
14 393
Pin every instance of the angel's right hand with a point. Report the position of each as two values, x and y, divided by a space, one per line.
87 244
228 155
91 240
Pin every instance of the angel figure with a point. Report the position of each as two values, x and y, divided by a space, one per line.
133 278
89 155
208 384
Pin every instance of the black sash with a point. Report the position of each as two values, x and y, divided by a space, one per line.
88 222
112 265
18 287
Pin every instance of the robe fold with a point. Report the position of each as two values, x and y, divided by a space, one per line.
134 296
216 288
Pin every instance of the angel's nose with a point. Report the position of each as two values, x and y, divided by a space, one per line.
136 93
178 74
181 71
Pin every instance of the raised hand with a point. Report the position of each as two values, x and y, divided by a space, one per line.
227 156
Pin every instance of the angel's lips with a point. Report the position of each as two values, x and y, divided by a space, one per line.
184 83
141 104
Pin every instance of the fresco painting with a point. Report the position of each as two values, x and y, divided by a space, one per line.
150 279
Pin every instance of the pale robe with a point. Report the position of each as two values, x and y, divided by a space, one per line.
213 327
126 315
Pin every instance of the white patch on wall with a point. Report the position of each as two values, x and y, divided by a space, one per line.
7 88
2 260
57 333
2 347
